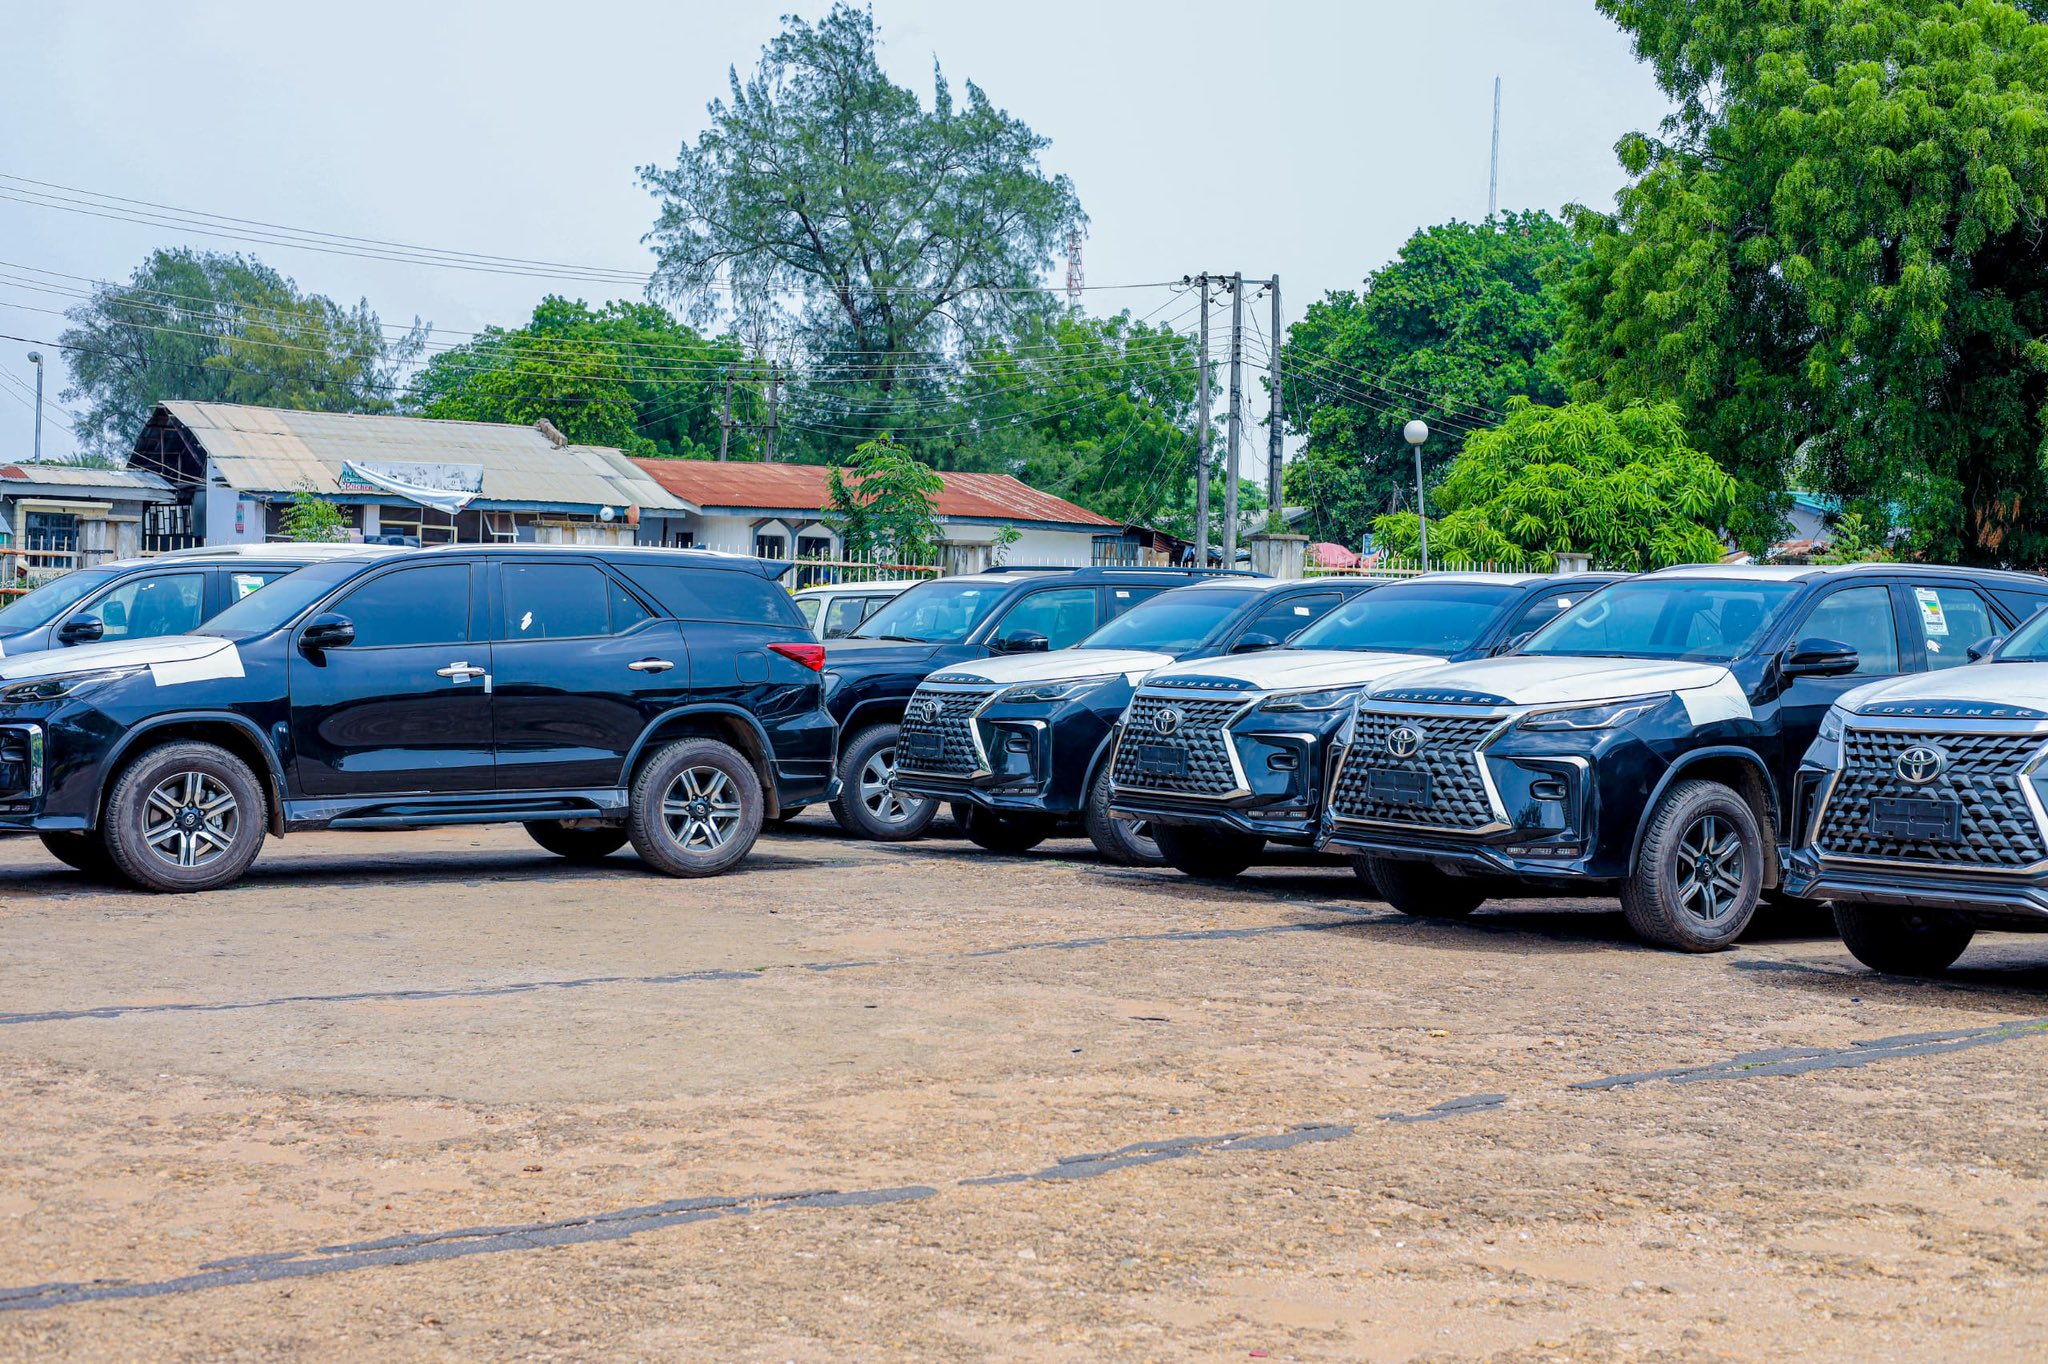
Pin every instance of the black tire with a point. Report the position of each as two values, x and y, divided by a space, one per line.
578 845
696 808
1700 829
1901 941
85 852
183 817
867 805
787 813
1124 842
1211 854
1368 884
1424 892
1003 833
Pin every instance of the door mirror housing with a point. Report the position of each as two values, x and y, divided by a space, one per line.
1023 642
1985 647
1254 643
327 631
1820 658
81 630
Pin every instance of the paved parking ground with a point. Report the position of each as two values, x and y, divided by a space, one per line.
437 1094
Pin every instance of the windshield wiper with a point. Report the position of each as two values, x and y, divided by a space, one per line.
899 639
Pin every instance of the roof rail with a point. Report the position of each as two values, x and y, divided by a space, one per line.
1127 568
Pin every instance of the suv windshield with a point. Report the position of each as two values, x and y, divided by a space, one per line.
2029 643
41 606
1170 623
934 613
1418 617
269 607
1706 620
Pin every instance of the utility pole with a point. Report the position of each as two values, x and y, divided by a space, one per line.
1202 435
774 393
1274 509
36 358
1236 420
725 421
1493 173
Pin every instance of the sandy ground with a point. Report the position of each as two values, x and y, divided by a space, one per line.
439 1095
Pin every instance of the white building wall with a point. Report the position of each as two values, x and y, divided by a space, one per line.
231 518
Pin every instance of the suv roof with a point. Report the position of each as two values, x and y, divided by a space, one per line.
1814 572
1100 573
281 552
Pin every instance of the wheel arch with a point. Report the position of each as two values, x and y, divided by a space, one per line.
709 720
224 729
1743 772
886 710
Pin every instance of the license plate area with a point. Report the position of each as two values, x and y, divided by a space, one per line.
919 748
1916 817
1162 760
1397 786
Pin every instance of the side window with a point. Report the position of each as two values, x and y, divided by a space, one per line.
243 583
1860 617
870 605
1539 611
1062 614
552 601
690 593
1122 599
627 611
842 616
1951 620
1285 619
162 604
809 606
427 605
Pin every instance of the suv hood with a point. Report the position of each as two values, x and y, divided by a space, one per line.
855 652
1008 669
172 658
1533 681
2011 684
1301 669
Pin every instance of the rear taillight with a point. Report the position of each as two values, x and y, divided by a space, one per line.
812 656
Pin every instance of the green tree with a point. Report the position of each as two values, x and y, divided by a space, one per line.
212 327
1463 320
311 517
1830 258
627 375
824 194
1622 486
884 501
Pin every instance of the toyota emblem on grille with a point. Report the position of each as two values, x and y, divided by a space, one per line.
1167 721
1920 764
1404 742
925 711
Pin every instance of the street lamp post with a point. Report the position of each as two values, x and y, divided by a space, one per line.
1415 433
35 357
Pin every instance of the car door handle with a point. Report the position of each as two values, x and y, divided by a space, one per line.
651 665
459 672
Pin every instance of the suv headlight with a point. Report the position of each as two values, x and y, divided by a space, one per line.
1050 691
1831 725
1605 716
56 688
1311 700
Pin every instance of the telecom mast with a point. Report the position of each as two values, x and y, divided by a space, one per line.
1074 285
1493 172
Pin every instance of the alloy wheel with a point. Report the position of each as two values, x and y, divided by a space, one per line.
190 819
878 789
701 809
1710 869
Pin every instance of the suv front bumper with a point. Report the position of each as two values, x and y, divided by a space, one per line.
2020 901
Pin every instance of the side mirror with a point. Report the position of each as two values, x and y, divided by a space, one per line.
1512 643
1024 642
81 630
1254 643
327 631
1820 658
1985 647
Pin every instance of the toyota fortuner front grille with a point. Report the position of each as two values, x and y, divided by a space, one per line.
1969 810
1421 770
1179 745
937 733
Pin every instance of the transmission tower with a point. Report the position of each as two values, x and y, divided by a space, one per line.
1074 266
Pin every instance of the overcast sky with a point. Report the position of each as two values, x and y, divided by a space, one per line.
1310 139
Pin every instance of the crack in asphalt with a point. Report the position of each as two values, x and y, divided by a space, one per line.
1803 1060
115 1011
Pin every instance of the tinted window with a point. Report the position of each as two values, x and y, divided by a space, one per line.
692 593
1171 622
1064 615
1951 620
843 615
1285 619
552 601
161 604
1418 617
242 582
2029 643
935 612
1707 619
412 606
809 607
41 606
1862 619
261 612
1122 599
1543 609
627 609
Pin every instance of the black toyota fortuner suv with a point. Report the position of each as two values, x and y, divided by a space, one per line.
1648 737
666 697
1023 741
870 674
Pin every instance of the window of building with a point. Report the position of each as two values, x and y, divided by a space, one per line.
770 546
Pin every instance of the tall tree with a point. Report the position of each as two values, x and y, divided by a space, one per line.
627 375
1830 257
209 326
825 195
1464 319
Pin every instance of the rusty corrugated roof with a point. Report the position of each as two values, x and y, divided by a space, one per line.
713 486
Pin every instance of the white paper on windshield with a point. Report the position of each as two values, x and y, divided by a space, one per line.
1932 618
1724 700
225 661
